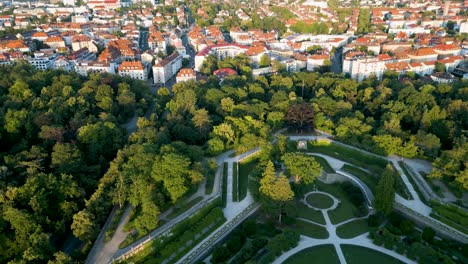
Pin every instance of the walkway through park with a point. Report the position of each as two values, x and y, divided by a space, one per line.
333 239
106 252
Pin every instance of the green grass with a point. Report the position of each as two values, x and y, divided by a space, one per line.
323 254
353 228
358 255
319 200
452 215
163 247
245 169
349 155
416 186
235 190
310 214
224 185
400 186
345 210
178 209
210 178
324 163
370 180
309 229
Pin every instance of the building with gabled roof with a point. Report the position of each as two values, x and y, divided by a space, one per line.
185 75
165 69
133 69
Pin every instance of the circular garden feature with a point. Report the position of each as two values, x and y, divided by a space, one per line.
319 200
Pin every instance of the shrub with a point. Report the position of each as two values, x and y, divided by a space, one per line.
374 220
354 193
428 234
395 219
220 254
234 244
465 250
406 226
259 243
250 228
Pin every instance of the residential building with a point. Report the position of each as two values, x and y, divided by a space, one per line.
422 54
185 75
133 69
316 60
220 51
167 68
85 67
82 41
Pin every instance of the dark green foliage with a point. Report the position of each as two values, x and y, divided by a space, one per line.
374 220
250 228
220 255
428 234
58 132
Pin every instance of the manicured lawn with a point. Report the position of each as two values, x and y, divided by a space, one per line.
325 165
319 200
309 229
325 254
353 229
235 190
345 210
358 255
349 155
245 168
308 213
210 178
178 209
370 180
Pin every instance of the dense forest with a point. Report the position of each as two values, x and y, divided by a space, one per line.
66 158
58 134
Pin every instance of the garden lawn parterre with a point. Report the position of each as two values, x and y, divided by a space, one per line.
308 213
359 255
345 210
372 163
309 229
245 168
323 254
353 228
320 201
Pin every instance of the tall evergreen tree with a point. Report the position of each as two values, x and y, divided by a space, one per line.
385 192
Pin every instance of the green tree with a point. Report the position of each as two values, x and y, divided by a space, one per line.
84 226
300 116
173 170
265 61
302 167
385 192
277 190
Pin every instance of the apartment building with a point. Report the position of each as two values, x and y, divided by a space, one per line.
220 51
133 69
85 67
167 68
185 75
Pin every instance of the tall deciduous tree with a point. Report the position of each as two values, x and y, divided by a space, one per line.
302 167
277 190
173 170
300 116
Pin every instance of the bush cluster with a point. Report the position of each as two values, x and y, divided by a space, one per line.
400 235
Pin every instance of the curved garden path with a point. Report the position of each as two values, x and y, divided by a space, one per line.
333 239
